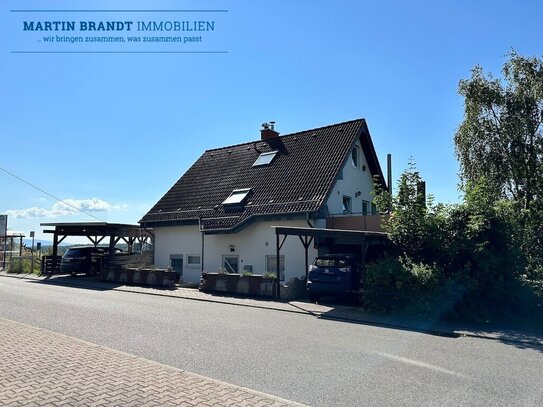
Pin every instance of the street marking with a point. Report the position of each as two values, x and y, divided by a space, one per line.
420 364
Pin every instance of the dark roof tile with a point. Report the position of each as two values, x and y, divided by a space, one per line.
298 180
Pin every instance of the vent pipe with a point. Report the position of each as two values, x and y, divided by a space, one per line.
389 173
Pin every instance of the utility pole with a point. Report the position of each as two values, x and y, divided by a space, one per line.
4 232
32 233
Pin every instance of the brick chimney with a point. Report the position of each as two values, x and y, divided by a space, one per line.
268 131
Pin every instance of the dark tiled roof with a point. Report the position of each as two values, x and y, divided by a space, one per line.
298 180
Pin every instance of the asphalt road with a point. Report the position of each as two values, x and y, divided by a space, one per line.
297 357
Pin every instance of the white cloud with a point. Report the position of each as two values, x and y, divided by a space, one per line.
29 213
68 207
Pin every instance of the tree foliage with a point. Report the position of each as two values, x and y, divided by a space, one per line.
485 254
413 220
461 257
500 141
501 136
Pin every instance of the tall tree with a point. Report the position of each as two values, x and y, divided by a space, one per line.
501 136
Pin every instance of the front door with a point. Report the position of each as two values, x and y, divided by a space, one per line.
230 264
176 263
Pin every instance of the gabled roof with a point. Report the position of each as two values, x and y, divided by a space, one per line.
299 179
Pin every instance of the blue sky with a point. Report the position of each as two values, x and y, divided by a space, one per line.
112 132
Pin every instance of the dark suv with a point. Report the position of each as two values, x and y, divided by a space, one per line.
84 259
334 274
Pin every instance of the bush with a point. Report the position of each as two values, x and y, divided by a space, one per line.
24 265
394 285
470 256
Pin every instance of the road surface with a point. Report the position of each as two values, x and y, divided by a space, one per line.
297 357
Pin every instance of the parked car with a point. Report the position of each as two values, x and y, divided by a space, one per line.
84 259
334 274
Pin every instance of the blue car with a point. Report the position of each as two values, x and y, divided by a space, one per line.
334 274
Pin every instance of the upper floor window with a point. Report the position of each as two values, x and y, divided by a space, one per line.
365 205
355 156
347 204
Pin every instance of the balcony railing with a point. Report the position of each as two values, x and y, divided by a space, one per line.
355 221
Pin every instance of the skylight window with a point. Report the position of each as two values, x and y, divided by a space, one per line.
237 196
265 158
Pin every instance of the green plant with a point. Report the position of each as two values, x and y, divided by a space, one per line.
269 274
24 265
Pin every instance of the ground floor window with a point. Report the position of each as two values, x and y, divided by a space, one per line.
271 265
176 263
193 260
230 263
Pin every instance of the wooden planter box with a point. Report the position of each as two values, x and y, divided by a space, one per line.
152 277
255 285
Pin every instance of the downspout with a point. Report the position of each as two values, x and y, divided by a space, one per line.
202 249
306 248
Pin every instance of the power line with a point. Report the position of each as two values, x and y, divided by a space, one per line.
51 195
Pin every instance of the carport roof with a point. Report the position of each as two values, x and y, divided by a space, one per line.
85 228
96 232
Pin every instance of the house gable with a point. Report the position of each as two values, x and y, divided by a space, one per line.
353 188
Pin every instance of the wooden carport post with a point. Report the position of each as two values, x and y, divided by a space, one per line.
277 265
306 241
56 242
363 260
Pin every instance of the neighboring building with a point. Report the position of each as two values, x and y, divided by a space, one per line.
219 214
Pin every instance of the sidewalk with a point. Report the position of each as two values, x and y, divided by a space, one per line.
43 368
335 312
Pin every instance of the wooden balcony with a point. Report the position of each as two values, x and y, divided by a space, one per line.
369 223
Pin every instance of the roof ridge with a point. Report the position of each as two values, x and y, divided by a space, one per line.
286 135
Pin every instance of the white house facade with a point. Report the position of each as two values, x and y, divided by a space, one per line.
220 214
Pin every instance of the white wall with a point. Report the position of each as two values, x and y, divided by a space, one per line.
354 180
251 244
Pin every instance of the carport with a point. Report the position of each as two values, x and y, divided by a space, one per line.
96 232
329 241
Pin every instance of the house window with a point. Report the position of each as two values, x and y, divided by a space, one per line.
176 263
230 263
193 260
271 265
347 204
373 209
365 206
237 196
265 158
355 156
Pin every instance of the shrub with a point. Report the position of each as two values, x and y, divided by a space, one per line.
24 265
391 284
